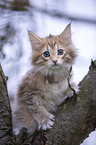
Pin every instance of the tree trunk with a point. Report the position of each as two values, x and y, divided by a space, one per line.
5 112
75 119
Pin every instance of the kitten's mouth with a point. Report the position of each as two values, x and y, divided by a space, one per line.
55 66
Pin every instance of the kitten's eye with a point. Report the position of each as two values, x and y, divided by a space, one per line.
46 54
60 51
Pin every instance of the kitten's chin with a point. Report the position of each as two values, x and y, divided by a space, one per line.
54 67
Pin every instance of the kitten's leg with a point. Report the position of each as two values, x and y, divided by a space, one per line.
44 119
21 117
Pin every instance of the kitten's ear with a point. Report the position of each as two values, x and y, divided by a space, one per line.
66 34
34 39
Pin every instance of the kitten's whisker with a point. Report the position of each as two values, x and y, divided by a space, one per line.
41 69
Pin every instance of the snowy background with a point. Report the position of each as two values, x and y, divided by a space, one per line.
42 18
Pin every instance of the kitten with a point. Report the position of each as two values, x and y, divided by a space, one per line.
45 86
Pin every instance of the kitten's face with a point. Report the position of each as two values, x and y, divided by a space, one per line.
53 53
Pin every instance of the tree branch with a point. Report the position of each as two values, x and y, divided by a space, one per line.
75 119
63 15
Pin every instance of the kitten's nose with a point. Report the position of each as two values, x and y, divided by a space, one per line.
54 61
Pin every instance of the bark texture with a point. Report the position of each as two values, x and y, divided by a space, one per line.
5 112
75 119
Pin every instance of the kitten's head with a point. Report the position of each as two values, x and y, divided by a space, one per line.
53 53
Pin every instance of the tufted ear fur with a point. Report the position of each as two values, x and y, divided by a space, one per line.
65 36
35 40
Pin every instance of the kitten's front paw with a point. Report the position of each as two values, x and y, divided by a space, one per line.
16 131
70 92
47 122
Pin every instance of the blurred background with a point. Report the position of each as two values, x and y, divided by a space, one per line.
43 17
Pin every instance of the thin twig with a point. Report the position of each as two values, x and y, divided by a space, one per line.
69 77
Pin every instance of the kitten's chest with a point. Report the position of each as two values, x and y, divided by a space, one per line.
55 92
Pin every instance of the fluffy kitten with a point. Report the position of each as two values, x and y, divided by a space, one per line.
45 86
